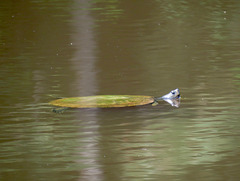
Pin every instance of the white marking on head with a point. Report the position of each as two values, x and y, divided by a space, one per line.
172 95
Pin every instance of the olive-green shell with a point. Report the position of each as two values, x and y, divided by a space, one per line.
103 101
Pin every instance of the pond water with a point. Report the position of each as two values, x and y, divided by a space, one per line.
63 48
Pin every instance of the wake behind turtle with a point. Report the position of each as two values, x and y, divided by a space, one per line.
109 101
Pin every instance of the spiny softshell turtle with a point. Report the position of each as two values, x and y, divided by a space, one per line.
108 101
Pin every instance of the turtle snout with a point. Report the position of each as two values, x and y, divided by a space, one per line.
176 93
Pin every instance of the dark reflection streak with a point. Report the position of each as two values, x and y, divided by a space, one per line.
83 62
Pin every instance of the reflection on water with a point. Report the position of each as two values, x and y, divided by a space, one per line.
84 62
173 102
78 48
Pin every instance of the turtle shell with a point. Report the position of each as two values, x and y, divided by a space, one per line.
103 101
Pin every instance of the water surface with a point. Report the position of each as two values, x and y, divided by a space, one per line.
63 48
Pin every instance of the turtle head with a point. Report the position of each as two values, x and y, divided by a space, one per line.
172 95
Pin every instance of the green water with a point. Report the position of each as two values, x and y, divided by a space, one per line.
60 48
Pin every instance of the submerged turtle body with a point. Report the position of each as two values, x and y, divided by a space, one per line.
108 101
104 101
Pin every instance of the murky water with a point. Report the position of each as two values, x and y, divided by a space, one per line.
65 48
